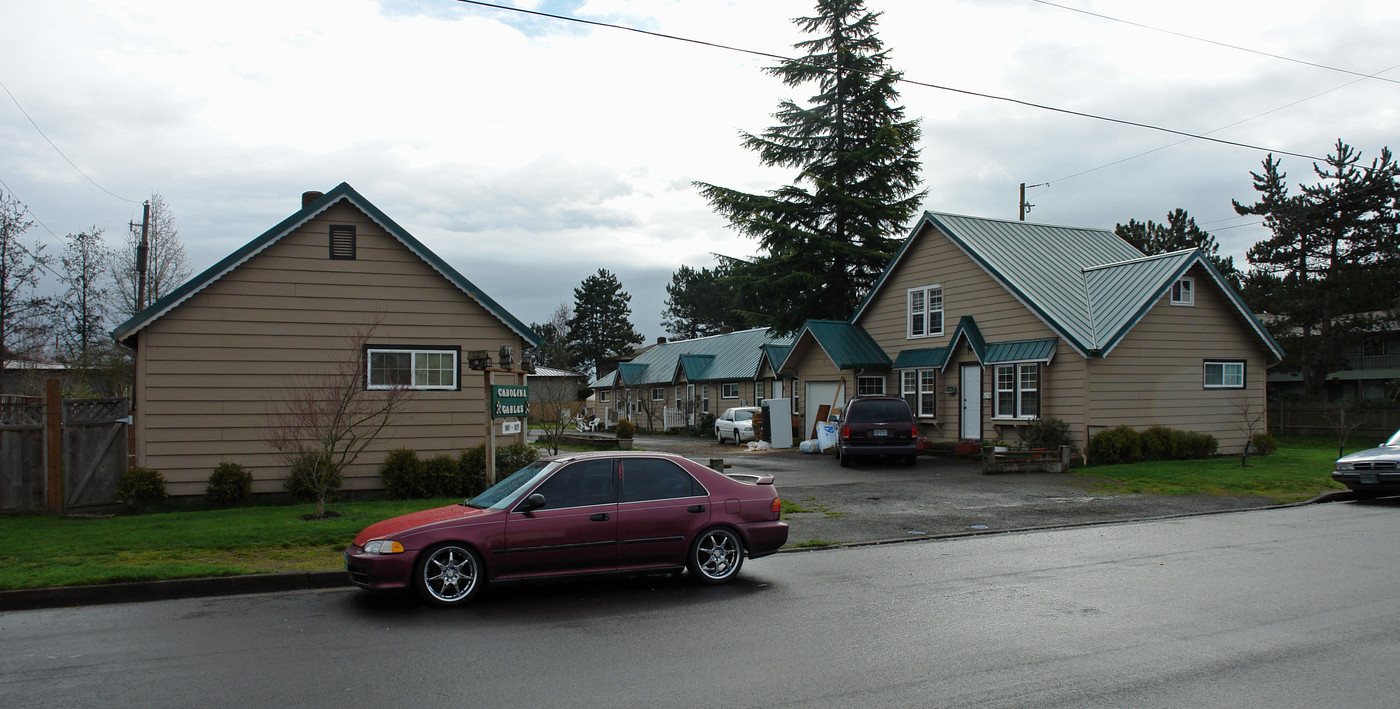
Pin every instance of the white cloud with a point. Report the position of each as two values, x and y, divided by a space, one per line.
481 130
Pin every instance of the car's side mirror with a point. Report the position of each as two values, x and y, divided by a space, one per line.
533 502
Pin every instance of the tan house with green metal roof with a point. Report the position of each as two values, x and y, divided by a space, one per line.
670 382
984 325
218 355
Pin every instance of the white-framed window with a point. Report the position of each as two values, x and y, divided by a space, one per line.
870 386
705 399
1184 292
918 387
729 390
602 396
925 311
1224 374
1017 391
658 393
760 390
414 368
679 398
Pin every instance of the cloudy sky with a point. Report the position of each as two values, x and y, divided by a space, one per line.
513 144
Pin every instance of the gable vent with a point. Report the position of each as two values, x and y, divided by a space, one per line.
343 242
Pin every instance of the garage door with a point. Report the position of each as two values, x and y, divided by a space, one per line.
817 395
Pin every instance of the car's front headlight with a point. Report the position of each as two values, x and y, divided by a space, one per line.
383 546
1344 466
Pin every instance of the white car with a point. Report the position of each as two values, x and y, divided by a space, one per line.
1372 473
736 424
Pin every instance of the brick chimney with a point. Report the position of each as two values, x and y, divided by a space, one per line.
308 197
661 340
725 329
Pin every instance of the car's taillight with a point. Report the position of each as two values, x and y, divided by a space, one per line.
914 431
846 433
777 506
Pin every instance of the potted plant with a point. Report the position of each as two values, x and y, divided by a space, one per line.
624 432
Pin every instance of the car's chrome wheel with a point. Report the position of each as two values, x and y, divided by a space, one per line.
719 437
448 575
716 556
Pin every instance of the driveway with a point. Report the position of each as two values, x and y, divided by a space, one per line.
876 501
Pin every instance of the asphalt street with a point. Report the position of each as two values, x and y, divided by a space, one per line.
1287 607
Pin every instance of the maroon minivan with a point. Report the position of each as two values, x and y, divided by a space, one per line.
581 513
877 426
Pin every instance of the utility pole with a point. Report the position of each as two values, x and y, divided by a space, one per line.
1026 206
143 251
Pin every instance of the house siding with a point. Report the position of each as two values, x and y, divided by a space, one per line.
1154 376
968 290
213 369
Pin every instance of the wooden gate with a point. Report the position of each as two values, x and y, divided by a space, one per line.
94 450
21 454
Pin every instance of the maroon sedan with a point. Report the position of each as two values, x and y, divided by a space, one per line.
576 514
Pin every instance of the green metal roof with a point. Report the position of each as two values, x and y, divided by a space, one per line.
343 191
1087 285
607 381
727 357
1021 351
848 346
929 358
632 373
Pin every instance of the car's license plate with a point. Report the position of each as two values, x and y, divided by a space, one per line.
1370 479
880 433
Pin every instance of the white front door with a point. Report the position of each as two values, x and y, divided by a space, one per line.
970 427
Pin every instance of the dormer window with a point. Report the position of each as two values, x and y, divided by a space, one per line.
1184 292
343 242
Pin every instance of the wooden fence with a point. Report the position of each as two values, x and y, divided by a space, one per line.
60 457
1369 420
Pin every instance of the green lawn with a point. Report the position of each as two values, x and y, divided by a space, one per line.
41 551
44 550
1300 469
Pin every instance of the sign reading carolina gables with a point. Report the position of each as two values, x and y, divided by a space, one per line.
509 400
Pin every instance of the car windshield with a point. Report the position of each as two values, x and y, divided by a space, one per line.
878 411
743 415
503 493
1394 441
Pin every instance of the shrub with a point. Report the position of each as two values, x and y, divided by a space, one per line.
1048 433
514 457
1263 444
1126 445
442 476
402 474
139 486
1159 443
704 425
313 478
1116 445
1196 445
625 429
229 485
509 459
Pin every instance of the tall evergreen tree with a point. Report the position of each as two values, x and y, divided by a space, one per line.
601 326
825 239
1331 270
700 302
1178 233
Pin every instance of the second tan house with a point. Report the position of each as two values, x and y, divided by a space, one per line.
984 325
216 357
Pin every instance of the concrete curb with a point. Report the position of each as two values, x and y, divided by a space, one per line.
34 598
64 596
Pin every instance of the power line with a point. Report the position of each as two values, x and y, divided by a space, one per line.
900 78
60 152
42 263
1224 127
1214 42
